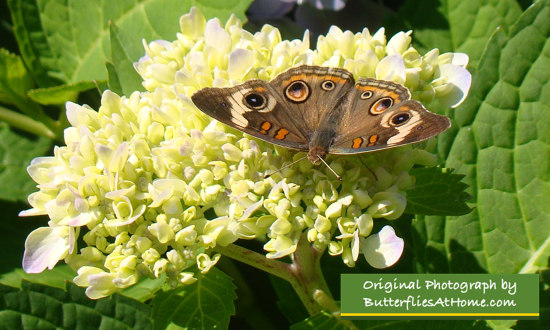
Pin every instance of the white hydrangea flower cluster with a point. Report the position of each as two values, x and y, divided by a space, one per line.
151 185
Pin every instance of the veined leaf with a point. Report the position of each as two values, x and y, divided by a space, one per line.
502 146
16 152
457 25
37 306
69 41
205 304
437 192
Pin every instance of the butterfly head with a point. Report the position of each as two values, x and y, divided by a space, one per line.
316 154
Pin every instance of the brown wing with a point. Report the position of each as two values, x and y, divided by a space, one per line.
379 115
254 108
311 93
286 111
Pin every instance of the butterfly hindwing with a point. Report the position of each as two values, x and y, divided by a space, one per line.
381 115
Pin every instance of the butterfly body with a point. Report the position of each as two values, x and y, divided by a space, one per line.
323 110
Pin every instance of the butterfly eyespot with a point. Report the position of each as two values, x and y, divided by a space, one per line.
381 105
297 91
254 101
366 95
223 104
328 85
400 119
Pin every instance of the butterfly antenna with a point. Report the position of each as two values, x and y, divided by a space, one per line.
368 168
330 168
285 166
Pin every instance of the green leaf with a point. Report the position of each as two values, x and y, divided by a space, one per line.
327 321
457 25
15 80
205 304
36 306
68 41
126 76
473 22
437 192
288 301
16 153
113 82
321 321
145 289
502 146
60 93
32 40
55 277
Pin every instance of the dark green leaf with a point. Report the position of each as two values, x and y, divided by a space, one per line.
15 80
437 192
205 304
288 301
36 306
16 152
321 321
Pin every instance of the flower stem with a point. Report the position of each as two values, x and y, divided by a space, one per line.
304 273
25 123
256 260
309 282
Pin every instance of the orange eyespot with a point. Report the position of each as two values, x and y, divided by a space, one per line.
381 105
297 91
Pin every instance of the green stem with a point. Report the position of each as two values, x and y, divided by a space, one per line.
304 273
25 123
309 282
257 260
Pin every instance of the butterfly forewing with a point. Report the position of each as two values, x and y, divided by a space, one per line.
254 108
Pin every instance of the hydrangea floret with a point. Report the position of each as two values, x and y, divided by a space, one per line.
150 186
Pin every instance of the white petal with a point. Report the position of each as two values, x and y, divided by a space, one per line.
216 37
399 43
241 61
459 59
382 250
355 245
193 23
392 68
457 84
251 209
44 247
